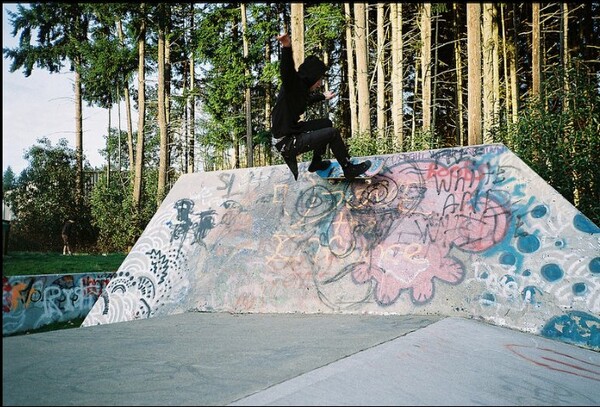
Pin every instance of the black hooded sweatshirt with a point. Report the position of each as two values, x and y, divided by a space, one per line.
294 95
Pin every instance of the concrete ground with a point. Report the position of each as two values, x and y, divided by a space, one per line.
296 359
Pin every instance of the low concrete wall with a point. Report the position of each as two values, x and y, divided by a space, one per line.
469 232
30 302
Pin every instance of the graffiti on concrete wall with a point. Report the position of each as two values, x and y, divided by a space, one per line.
462 231
30 302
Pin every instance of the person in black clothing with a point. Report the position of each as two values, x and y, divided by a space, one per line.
66 235
298 136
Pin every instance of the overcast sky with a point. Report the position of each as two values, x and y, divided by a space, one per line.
42 105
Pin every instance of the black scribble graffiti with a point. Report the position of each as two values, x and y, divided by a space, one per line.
159 265
204 225
229 204
317 203
184 222
105 297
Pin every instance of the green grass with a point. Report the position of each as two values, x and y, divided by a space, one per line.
33 263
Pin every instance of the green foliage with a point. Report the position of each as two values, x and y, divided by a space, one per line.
8 180
113 212
43 197
422 140
116 150
560 140
61 30
362 144
325 22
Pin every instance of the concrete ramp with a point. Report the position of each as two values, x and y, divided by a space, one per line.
468 232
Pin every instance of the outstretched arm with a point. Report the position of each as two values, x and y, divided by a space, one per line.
287 69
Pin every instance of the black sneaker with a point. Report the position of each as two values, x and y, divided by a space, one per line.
354 170
319 165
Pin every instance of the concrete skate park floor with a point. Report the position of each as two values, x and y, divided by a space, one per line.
296 359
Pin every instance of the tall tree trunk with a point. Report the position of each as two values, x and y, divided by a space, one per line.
268 103
297 17
474 68
488 75
434 77
426 65
496 69
129 121
108 150
249 144
413 132
139 153
351 70
514 80
459 87
235 138
167 90
505 58
78 135
119 157
565 57
536 65
127 98
381 123
191 127
397 75
362 68
162 120
191 103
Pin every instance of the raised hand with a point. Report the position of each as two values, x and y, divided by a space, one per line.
284 39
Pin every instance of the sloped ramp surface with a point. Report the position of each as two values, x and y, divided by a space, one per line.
468 232
202 359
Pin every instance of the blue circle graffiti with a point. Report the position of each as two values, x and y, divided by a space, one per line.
582 223
552 272
528 243
539 211
579 288
508 259
595 265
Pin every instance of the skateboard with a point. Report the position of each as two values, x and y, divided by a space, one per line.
334 173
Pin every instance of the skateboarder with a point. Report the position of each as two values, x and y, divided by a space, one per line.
297 136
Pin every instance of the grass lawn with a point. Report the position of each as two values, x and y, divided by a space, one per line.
34 263
55 326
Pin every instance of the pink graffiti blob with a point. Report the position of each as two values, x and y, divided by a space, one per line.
407 223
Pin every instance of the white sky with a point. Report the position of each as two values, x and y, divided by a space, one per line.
42 105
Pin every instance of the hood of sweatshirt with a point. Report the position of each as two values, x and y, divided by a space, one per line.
311 70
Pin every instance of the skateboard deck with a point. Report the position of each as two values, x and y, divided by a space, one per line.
334 172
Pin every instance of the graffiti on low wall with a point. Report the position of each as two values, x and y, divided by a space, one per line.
30 302
468 231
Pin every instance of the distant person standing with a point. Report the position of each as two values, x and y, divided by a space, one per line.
67 231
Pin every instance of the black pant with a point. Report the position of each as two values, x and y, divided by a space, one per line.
316 135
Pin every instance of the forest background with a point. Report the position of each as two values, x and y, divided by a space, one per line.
203 78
